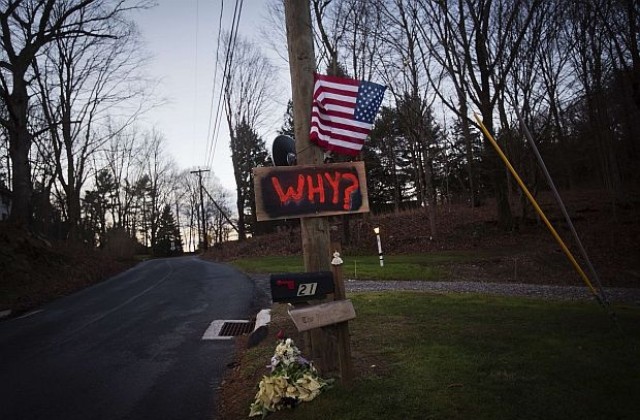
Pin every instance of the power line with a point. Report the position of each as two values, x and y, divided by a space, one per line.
213 87
224 86
222 212
195 79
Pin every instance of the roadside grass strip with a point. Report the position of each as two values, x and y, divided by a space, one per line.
397 267
425 356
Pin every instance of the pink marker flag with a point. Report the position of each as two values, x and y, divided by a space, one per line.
343 113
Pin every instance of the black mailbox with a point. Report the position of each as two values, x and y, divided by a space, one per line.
301 287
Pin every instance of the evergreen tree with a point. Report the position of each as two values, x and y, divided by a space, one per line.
288 127
97 203
168 241
387 160
248 151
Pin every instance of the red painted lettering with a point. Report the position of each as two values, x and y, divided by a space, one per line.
350 189
335 185
315 189
291 194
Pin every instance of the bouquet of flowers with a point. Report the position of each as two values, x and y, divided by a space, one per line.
293 379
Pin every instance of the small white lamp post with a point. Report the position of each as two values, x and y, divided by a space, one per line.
377 232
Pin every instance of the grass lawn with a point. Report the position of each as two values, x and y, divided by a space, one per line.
396 267
427 356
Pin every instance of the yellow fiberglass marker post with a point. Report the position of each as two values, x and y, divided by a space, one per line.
535 205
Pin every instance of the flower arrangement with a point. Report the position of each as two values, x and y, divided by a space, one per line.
293 380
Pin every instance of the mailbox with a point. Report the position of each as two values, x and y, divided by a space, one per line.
301 287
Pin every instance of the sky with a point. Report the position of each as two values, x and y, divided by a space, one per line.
181 36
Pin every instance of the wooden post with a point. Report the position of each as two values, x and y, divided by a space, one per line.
342 328
302 65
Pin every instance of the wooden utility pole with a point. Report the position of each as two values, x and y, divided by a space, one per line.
204 221
314 230
302 65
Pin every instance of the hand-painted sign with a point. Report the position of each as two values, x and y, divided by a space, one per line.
316 316
284 192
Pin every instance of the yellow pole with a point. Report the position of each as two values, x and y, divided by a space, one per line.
535 205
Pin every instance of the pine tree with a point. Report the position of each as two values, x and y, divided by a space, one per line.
288 127
168 241
248 151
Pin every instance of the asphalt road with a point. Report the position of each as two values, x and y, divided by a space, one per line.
128 348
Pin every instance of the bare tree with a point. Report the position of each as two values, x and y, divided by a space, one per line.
246 95
488 35
594 67
158 170
119 157
404 69
27 27
82 82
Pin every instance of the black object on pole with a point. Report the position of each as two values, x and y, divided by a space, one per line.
283 151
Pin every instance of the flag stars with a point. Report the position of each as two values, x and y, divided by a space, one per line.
368 102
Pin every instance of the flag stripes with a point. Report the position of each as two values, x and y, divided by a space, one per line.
342 113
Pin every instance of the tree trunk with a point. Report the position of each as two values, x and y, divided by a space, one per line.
468 145
505 216
430 197
19 145
242 232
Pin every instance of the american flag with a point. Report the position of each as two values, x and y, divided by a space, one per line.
343 112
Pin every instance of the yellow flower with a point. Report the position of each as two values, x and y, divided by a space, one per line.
309 387
292 392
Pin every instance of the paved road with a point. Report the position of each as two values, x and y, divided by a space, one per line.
127 348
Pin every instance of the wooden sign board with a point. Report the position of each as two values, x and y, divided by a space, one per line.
284 192
316 316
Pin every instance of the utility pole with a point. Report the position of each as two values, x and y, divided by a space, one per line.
314 230
302 64
205 246
178 221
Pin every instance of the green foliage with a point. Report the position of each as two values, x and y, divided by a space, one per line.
387 161
168 240
248 151
97 203
288 126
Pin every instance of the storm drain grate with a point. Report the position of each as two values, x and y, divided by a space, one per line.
227 329
234 329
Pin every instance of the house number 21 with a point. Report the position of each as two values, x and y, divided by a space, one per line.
307 289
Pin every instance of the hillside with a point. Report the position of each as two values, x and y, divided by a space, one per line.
34 271
529 254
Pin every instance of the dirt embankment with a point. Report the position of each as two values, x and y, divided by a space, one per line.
34 271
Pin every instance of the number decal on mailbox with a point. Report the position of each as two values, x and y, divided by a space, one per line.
307 289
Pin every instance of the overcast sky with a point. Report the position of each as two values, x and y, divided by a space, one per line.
181 35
